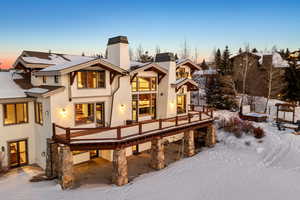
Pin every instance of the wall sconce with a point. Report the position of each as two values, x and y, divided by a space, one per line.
2 148
43 154
63 112
122 107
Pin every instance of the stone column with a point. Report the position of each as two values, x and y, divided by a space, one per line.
51 159
189 144
157 154
210 136
120 169
66 173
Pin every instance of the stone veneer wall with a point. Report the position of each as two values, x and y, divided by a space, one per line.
189 144
157 154
66 173
120 169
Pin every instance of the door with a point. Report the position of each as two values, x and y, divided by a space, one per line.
18 153
100 117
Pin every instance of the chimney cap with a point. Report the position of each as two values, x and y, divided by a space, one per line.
118 39
164 57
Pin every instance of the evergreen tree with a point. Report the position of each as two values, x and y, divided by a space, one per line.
287 54
176 56
240 50
218 59
145 58
203 65
225 62
254 50
82 54
292 90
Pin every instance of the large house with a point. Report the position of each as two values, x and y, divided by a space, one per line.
49 93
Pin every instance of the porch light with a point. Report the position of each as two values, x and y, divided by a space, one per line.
122 107
63 112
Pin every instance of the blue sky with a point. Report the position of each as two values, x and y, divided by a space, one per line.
84 26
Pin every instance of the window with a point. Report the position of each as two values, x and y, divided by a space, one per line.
15 113
84 113
146 105
44 79
91 79
38 109
181 73
181 104
143 84
55 79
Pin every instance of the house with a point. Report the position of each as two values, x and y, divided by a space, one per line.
258 72
93 106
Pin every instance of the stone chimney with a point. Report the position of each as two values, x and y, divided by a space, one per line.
118 52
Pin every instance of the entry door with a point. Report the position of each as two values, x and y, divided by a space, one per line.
100 117
18 153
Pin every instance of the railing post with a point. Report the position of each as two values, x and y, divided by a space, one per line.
160 123
53 131
176 120
203 108
211 113
140 128
68 135
200 116
119 133
190 118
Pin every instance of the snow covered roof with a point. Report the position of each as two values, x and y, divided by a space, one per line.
206 72
187 62
149 67
9 89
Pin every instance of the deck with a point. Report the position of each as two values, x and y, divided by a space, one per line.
128 135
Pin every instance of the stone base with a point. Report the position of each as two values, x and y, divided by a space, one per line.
66 173
157 154
120 169
51 159
189 144
210 140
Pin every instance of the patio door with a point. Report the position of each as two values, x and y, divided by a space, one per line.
100 120
18 153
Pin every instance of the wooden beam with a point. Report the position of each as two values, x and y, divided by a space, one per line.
112 76
72 77
134 75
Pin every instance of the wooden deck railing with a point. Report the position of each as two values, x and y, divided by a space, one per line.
121 132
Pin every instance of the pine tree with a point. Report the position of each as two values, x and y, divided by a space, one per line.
254 50
218 59
287 53
292 90
225 62
176 56
240 50
203 65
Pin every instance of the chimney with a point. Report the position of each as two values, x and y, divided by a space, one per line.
167 60
118 52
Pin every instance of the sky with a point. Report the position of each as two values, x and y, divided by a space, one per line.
76 26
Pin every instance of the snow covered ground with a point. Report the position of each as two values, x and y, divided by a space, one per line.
269 169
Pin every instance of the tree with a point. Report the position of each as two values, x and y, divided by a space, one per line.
245 66
82 54
176 56
139 52
254 50
131 54
218 59
196 55
240 50
185 51
287 54
203 65
292 89
225 62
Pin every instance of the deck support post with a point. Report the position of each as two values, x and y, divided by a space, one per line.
120 168
210 139
157 154
66 173
189 144
51 159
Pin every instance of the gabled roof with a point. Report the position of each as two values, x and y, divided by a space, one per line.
148 67
9 89
187 62
192 85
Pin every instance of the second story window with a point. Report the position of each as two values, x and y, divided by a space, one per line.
44 79
15 113
144 84
181 73
38 109
91 79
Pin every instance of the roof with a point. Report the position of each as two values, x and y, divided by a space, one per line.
192 85
147 67
44 90
9 89
187 62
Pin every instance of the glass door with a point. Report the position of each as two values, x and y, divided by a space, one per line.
100 120
18 153
181 104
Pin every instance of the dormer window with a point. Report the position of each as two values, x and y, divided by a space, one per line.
91 79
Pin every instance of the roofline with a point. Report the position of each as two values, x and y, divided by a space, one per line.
46 94
16 100
188 61
144 67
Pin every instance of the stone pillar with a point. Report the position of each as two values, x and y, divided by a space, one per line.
66 173
189 144
210 136
51 159
157 154
120 169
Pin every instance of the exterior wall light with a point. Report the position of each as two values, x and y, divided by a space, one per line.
122 107
63 112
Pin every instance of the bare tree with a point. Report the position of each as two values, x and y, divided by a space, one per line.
245 70
139 52
157 49
185 51
196 55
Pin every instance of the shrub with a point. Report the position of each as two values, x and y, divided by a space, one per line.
247 127
258 132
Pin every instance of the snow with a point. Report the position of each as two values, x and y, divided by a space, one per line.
206 72
37 90
54 60
72 60
9 89
267 168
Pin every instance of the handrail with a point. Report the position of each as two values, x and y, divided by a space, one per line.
67 137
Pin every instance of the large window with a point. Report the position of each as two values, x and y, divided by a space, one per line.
181 104
38 109
143 105
144 84
15 113
84 113
91 79
181 73
87 113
